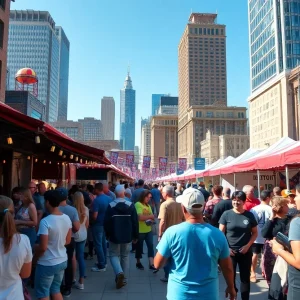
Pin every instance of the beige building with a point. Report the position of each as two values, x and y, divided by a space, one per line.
220 120
272 112
108 117
215 147
203 86
4 24
106 145
164 139
145 141
72 129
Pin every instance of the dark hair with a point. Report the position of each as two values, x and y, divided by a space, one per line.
265 194
156 185
143 195
99 186
73 190
53 198
82 186
217 190
141 182
239 195
90 188
228 191
126 186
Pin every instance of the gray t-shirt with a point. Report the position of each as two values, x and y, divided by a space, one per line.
294 232
70 211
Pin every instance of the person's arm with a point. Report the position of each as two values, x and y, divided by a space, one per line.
33 217
75 226
69 237
227 271
162 217
135 224
159 261
41 248
95 209
246 248
292 259
26 270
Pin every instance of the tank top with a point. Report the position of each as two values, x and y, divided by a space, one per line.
23 215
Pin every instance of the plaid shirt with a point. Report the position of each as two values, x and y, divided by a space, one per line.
210 205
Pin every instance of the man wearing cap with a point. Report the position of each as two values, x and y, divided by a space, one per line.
73 215
196 248
121 227
290 195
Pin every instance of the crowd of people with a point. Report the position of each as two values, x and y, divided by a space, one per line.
45 235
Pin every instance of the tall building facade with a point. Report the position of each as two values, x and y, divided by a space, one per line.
92 129
155 102
274 40
64 58
33 42
202 103
4 23
145 140
127 115
108 117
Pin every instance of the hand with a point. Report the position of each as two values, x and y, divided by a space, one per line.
134 241
231 293
276 247
232 253
244 249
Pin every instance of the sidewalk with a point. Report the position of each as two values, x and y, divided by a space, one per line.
142 285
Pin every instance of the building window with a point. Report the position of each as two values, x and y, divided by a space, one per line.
2 4
1 33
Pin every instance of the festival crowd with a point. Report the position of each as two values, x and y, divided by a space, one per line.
46 235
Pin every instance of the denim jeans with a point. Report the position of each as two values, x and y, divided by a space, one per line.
48 279
79 251
148 238
100 245
119 257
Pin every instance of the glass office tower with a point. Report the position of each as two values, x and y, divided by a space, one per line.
274 28
127 115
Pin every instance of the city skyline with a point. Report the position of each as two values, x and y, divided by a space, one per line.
153 56
34 41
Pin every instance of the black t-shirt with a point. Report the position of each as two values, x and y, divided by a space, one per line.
238 227
219 209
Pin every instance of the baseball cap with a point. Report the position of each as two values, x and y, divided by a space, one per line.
119 188
286 193
191 197
63 193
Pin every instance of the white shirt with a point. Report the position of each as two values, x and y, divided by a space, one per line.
262 213
81 234
57 228
11 264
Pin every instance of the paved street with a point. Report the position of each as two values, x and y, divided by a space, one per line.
142 285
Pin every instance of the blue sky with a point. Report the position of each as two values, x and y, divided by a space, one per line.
107 35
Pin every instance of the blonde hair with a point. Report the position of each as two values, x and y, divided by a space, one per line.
7 224
79 205
27 194
279 202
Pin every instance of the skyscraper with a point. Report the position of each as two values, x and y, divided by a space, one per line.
274 40
108 117
64 53
155 103
33 42
202 102
127 115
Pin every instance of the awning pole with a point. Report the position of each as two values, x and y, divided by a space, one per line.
287 177
234 184
220 179
258 183
63 174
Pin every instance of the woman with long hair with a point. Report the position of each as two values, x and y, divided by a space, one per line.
15 253
278 222
146 219
81 236
240 229
26 216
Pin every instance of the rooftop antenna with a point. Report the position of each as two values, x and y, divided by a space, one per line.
128 69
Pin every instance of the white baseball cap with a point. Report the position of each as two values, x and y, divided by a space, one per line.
190 198
128 191
119 188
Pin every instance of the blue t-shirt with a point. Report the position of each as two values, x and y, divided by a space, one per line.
155 195
194 250
100 205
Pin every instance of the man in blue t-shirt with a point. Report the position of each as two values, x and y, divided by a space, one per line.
195 249
99 207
